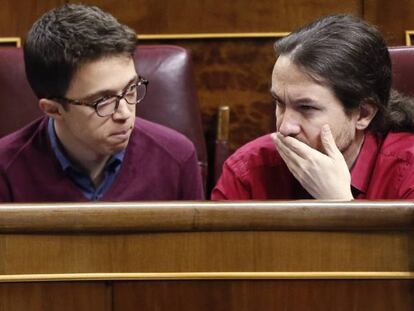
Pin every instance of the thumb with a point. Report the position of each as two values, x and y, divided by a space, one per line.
328 142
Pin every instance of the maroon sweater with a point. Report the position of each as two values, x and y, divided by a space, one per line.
159 164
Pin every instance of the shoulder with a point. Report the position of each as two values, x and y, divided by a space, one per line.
163 139
398 145
15 144
256 154
395 165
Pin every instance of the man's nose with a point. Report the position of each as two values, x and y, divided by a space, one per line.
288 124
124 110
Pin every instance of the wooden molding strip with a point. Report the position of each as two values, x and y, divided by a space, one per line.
11 40
193 36
207 216
336 275
408 34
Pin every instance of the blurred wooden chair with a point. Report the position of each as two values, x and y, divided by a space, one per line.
402 58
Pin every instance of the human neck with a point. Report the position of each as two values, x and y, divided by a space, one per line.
82 155
352 151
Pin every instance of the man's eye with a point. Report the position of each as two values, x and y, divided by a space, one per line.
104 100
131 88
277 102
308 108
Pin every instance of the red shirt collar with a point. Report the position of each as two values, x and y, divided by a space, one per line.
364 164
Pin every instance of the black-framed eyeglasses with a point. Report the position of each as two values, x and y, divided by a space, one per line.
108 105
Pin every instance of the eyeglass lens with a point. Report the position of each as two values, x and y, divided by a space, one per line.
133 95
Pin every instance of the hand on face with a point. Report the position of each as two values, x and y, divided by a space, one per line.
324 176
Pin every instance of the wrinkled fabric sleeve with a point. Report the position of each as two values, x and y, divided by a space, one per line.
406 189
230 186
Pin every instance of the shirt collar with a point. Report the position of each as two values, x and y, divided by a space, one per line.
364 164
64 161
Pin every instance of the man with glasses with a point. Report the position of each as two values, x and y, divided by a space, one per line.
89 145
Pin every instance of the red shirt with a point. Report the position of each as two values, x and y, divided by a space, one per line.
384 169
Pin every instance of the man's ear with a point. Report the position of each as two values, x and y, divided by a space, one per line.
51 108
367 112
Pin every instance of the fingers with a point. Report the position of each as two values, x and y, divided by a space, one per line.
303 150
291 159
324 175
328 142
294 145
288 154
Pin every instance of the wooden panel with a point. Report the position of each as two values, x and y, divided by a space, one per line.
170 216
79 296
206 251
185 16
327 255
236 73
199 237
338 295
188 16
392 17
17 17
243 295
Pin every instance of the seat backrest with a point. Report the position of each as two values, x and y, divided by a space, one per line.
171 98
402 59
18 104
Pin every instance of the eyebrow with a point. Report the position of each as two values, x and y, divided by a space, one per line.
102 93
304 100
275 96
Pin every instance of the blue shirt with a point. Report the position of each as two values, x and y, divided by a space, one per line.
78 176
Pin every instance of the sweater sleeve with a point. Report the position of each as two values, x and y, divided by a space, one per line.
5 195
191 181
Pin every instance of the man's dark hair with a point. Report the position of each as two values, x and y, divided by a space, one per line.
65 38
350 57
